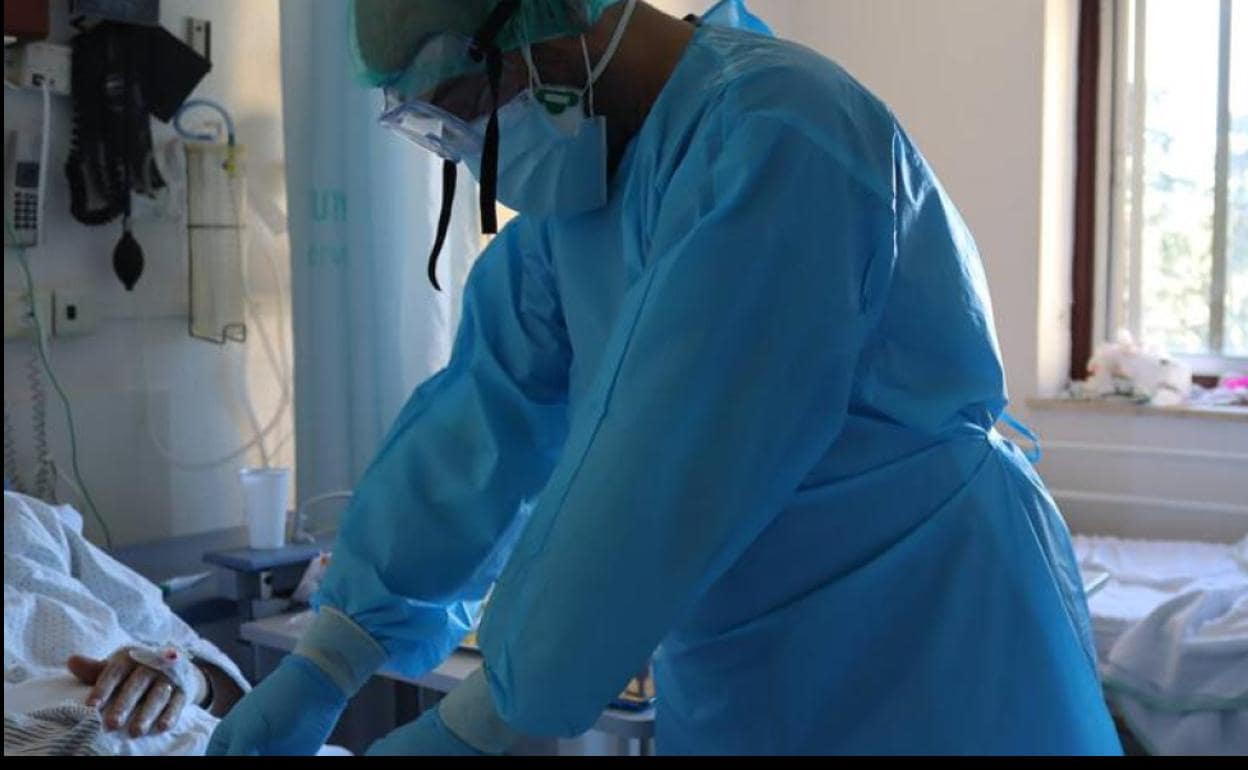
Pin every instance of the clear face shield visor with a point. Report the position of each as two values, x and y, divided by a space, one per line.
433 129
443 101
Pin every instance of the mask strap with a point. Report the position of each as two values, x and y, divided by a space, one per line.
589 84
449 174
592 73
489 153
535 78
483 47
620 28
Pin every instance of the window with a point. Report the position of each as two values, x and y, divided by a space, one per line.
1169 247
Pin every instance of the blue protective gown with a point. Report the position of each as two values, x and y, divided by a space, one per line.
743 414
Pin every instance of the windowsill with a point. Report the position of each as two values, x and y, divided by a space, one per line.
1220 413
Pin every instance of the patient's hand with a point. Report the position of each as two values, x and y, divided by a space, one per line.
129 693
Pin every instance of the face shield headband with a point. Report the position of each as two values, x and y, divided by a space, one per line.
483 48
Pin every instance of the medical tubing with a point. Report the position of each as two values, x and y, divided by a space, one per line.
282 350
60 392
281 360
12 476
278 360
248 403
279 371
282 442
167 454
45 477
280 365
191 104
301 531
73 485
44 149
250 409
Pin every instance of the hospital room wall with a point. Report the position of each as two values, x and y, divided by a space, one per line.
986 87
194 396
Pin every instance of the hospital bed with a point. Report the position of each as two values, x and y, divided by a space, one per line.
63 596
1171 630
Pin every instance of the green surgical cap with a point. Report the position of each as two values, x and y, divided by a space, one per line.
388 35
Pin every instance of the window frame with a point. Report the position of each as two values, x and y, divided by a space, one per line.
1101 187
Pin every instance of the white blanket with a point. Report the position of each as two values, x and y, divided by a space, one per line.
63 596
63 731
1172 636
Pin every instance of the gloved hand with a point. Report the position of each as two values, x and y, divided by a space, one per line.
291 712
465 723
427 736
294 709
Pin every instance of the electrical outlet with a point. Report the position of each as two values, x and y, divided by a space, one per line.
19 320
76 313
34 65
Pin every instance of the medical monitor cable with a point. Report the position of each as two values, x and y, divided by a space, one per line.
60 392
165 452
302 534
45 468
282 442
45 472
12 475
280 360
253 419
231 170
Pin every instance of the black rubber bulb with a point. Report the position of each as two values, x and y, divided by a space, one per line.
128 260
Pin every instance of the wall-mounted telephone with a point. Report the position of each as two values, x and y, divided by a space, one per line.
23 207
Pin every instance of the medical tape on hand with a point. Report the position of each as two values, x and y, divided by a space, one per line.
176 665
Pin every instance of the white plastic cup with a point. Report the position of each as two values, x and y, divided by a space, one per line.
266 494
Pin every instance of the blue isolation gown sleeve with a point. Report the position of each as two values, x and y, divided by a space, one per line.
726 377
432 520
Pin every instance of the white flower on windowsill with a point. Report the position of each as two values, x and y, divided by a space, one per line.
1124 369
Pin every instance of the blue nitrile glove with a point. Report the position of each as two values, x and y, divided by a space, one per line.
291 712
296 707
427 736
465 723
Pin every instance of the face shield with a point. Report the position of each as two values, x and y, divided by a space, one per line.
441 66
448 118
433 129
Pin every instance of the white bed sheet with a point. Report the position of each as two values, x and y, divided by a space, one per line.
1171 627
63 596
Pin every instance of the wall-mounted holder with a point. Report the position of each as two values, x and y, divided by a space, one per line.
215 234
